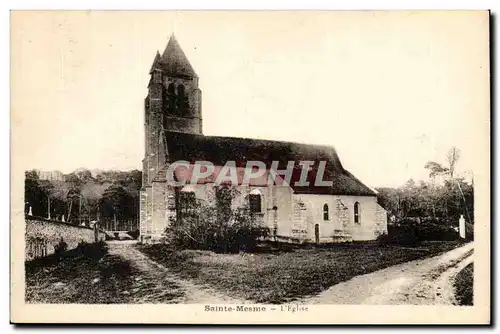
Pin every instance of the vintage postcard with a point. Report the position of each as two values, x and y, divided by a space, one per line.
232 167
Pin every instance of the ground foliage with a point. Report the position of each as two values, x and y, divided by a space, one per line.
84 275
464 285
279 276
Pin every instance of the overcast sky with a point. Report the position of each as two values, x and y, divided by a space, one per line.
390 91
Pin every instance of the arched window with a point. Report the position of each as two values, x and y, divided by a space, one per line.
356 213
182 102
169 99
176 100
255 199
171 89
325 212
187 202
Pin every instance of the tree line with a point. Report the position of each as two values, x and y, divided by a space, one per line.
84 196
443 198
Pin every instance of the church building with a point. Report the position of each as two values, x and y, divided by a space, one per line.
345 210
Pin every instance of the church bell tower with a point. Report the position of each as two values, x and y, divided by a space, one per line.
174 86
173 104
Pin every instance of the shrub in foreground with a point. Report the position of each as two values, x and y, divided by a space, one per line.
434 230
93 251
60 247
405 235
205 228
413 231
134 234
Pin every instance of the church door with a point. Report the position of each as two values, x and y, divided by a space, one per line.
316 233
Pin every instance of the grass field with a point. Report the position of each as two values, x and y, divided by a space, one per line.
284 276
82 275
464 285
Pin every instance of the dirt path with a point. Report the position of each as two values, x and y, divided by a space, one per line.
153 283
427 281
419 282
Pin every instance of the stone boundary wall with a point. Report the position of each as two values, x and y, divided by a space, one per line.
42 236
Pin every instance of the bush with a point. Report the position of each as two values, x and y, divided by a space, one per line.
411 231
432 230
134 234
61 247
203 228
384 239
93 251
400 235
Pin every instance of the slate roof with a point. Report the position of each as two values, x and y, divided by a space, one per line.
157 63
219 150
173 61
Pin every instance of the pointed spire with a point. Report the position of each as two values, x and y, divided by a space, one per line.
175 61
156 62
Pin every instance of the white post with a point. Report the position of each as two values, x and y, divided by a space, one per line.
63 218
461 224
30 213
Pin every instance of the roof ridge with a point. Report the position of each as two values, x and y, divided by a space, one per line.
260 139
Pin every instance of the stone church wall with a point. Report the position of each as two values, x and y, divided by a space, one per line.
340 225
380 221
289 217
158 207
284 210
143 213
275 210
314 205
371 218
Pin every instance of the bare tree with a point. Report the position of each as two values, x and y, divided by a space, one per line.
452 157
436 169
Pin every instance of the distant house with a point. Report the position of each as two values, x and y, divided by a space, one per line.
345 211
